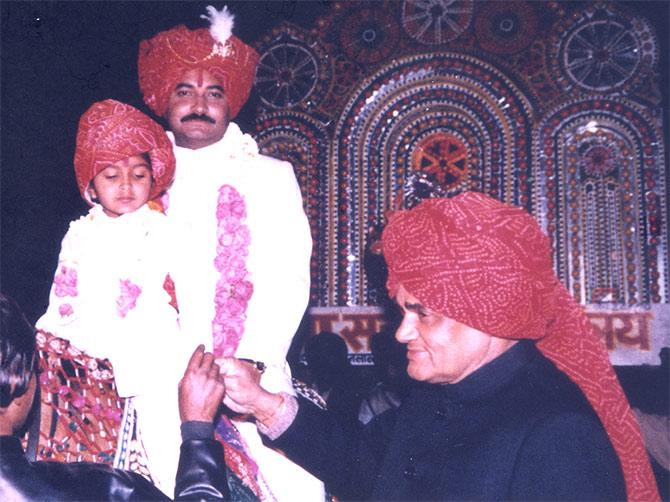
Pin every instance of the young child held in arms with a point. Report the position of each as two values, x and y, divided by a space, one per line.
112 295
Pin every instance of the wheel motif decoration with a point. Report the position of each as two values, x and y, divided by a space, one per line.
443 158
287 74
506 27
606 51
369 35
434 22
598 160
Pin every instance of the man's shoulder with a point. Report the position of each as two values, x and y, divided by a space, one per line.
271 163
85 219
541 398
82 228
550 391
266 170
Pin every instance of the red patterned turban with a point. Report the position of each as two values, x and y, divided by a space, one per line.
110 131
488 265
165 58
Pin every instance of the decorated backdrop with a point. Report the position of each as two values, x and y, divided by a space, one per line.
554 106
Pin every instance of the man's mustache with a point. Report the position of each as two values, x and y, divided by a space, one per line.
196 116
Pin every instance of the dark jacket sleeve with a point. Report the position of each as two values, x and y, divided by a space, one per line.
79 481
345 456
201 474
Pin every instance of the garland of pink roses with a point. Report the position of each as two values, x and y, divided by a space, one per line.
233 289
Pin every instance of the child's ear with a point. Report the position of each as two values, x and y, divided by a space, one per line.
92 193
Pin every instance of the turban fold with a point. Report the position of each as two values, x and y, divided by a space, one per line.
488 265
165 58
110 131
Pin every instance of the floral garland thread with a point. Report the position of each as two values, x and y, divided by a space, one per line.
127 299
233 289
65 284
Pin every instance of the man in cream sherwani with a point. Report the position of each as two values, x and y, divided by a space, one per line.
247 245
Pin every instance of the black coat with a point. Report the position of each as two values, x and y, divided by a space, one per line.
515 429
201 475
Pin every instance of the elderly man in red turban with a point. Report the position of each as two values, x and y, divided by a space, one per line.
514 399
249 244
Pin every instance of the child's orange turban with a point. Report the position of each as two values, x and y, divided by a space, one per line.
110 131
165 58
488 265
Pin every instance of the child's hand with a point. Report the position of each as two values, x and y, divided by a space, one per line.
200 389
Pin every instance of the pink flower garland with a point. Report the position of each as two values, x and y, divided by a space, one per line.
233 289
65 284
128 298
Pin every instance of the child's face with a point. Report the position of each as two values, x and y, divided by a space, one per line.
123 187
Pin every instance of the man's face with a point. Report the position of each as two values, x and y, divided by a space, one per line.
198 113
123 187
441 350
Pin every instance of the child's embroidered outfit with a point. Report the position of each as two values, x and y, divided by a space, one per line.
113 295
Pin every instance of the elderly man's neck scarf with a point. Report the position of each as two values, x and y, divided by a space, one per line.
488 265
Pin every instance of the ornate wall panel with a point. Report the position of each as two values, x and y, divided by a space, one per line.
294 70
301 139
601 198
601 202
551 105
600 50
435 113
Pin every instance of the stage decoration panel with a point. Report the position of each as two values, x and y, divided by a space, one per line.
368 35
435 22
603 205
555 106
628 334
425 113
507 28
301 139
602 51
293 71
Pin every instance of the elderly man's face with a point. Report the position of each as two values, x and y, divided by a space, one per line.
198 113
441 350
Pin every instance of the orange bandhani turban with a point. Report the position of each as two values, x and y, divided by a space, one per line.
488 265
110 131
165 58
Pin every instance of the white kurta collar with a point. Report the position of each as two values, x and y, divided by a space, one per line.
234 143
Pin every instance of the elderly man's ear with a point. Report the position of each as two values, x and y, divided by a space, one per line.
13 417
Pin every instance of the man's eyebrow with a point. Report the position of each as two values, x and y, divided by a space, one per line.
182 85
415 307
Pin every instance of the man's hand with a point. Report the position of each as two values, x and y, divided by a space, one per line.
244 393
201 390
